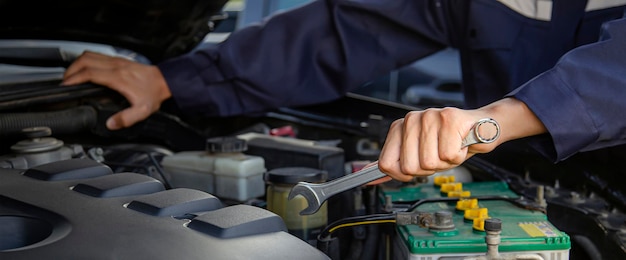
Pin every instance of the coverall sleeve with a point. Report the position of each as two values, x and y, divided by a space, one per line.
312 54
582 100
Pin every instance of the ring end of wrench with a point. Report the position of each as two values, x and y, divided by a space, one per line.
474 136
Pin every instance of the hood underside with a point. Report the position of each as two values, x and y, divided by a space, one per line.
157 29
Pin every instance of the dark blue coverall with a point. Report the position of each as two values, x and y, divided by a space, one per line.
582 100
320 51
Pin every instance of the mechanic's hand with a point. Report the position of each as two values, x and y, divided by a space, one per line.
142 85
428 141
424 142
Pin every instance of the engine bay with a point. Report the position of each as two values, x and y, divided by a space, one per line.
157 189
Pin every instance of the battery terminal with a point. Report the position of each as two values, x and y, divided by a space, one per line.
422 219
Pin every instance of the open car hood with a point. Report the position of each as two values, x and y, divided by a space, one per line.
158 29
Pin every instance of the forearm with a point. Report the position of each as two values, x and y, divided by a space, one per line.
311 54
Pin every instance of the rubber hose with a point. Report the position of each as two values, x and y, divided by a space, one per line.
60 122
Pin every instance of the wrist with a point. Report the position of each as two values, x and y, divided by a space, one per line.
164 90
516 120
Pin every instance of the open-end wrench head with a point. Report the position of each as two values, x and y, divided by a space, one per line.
313 202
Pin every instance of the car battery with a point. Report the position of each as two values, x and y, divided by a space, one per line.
464 208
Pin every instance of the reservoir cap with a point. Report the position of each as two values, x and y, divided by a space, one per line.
228 144
293 175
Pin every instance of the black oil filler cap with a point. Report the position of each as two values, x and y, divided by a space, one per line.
226 144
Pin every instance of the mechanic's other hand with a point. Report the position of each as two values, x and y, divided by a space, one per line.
142 85
425 142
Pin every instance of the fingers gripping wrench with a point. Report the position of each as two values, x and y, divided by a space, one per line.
316 193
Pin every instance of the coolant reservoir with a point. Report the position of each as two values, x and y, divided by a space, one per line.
222 170
190 169
280 181
238 176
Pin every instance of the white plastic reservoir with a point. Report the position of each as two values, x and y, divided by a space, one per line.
222 170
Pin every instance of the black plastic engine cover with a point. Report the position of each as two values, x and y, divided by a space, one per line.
130 216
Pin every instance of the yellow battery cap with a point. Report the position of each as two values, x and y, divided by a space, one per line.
465 204
479 224
472 214
438 180
459 194
454 186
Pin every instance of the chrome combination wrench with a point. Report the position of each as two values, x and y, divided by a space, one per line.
316 193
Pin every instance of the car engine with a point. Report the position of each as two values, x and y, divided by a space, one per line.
182 186
176 186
